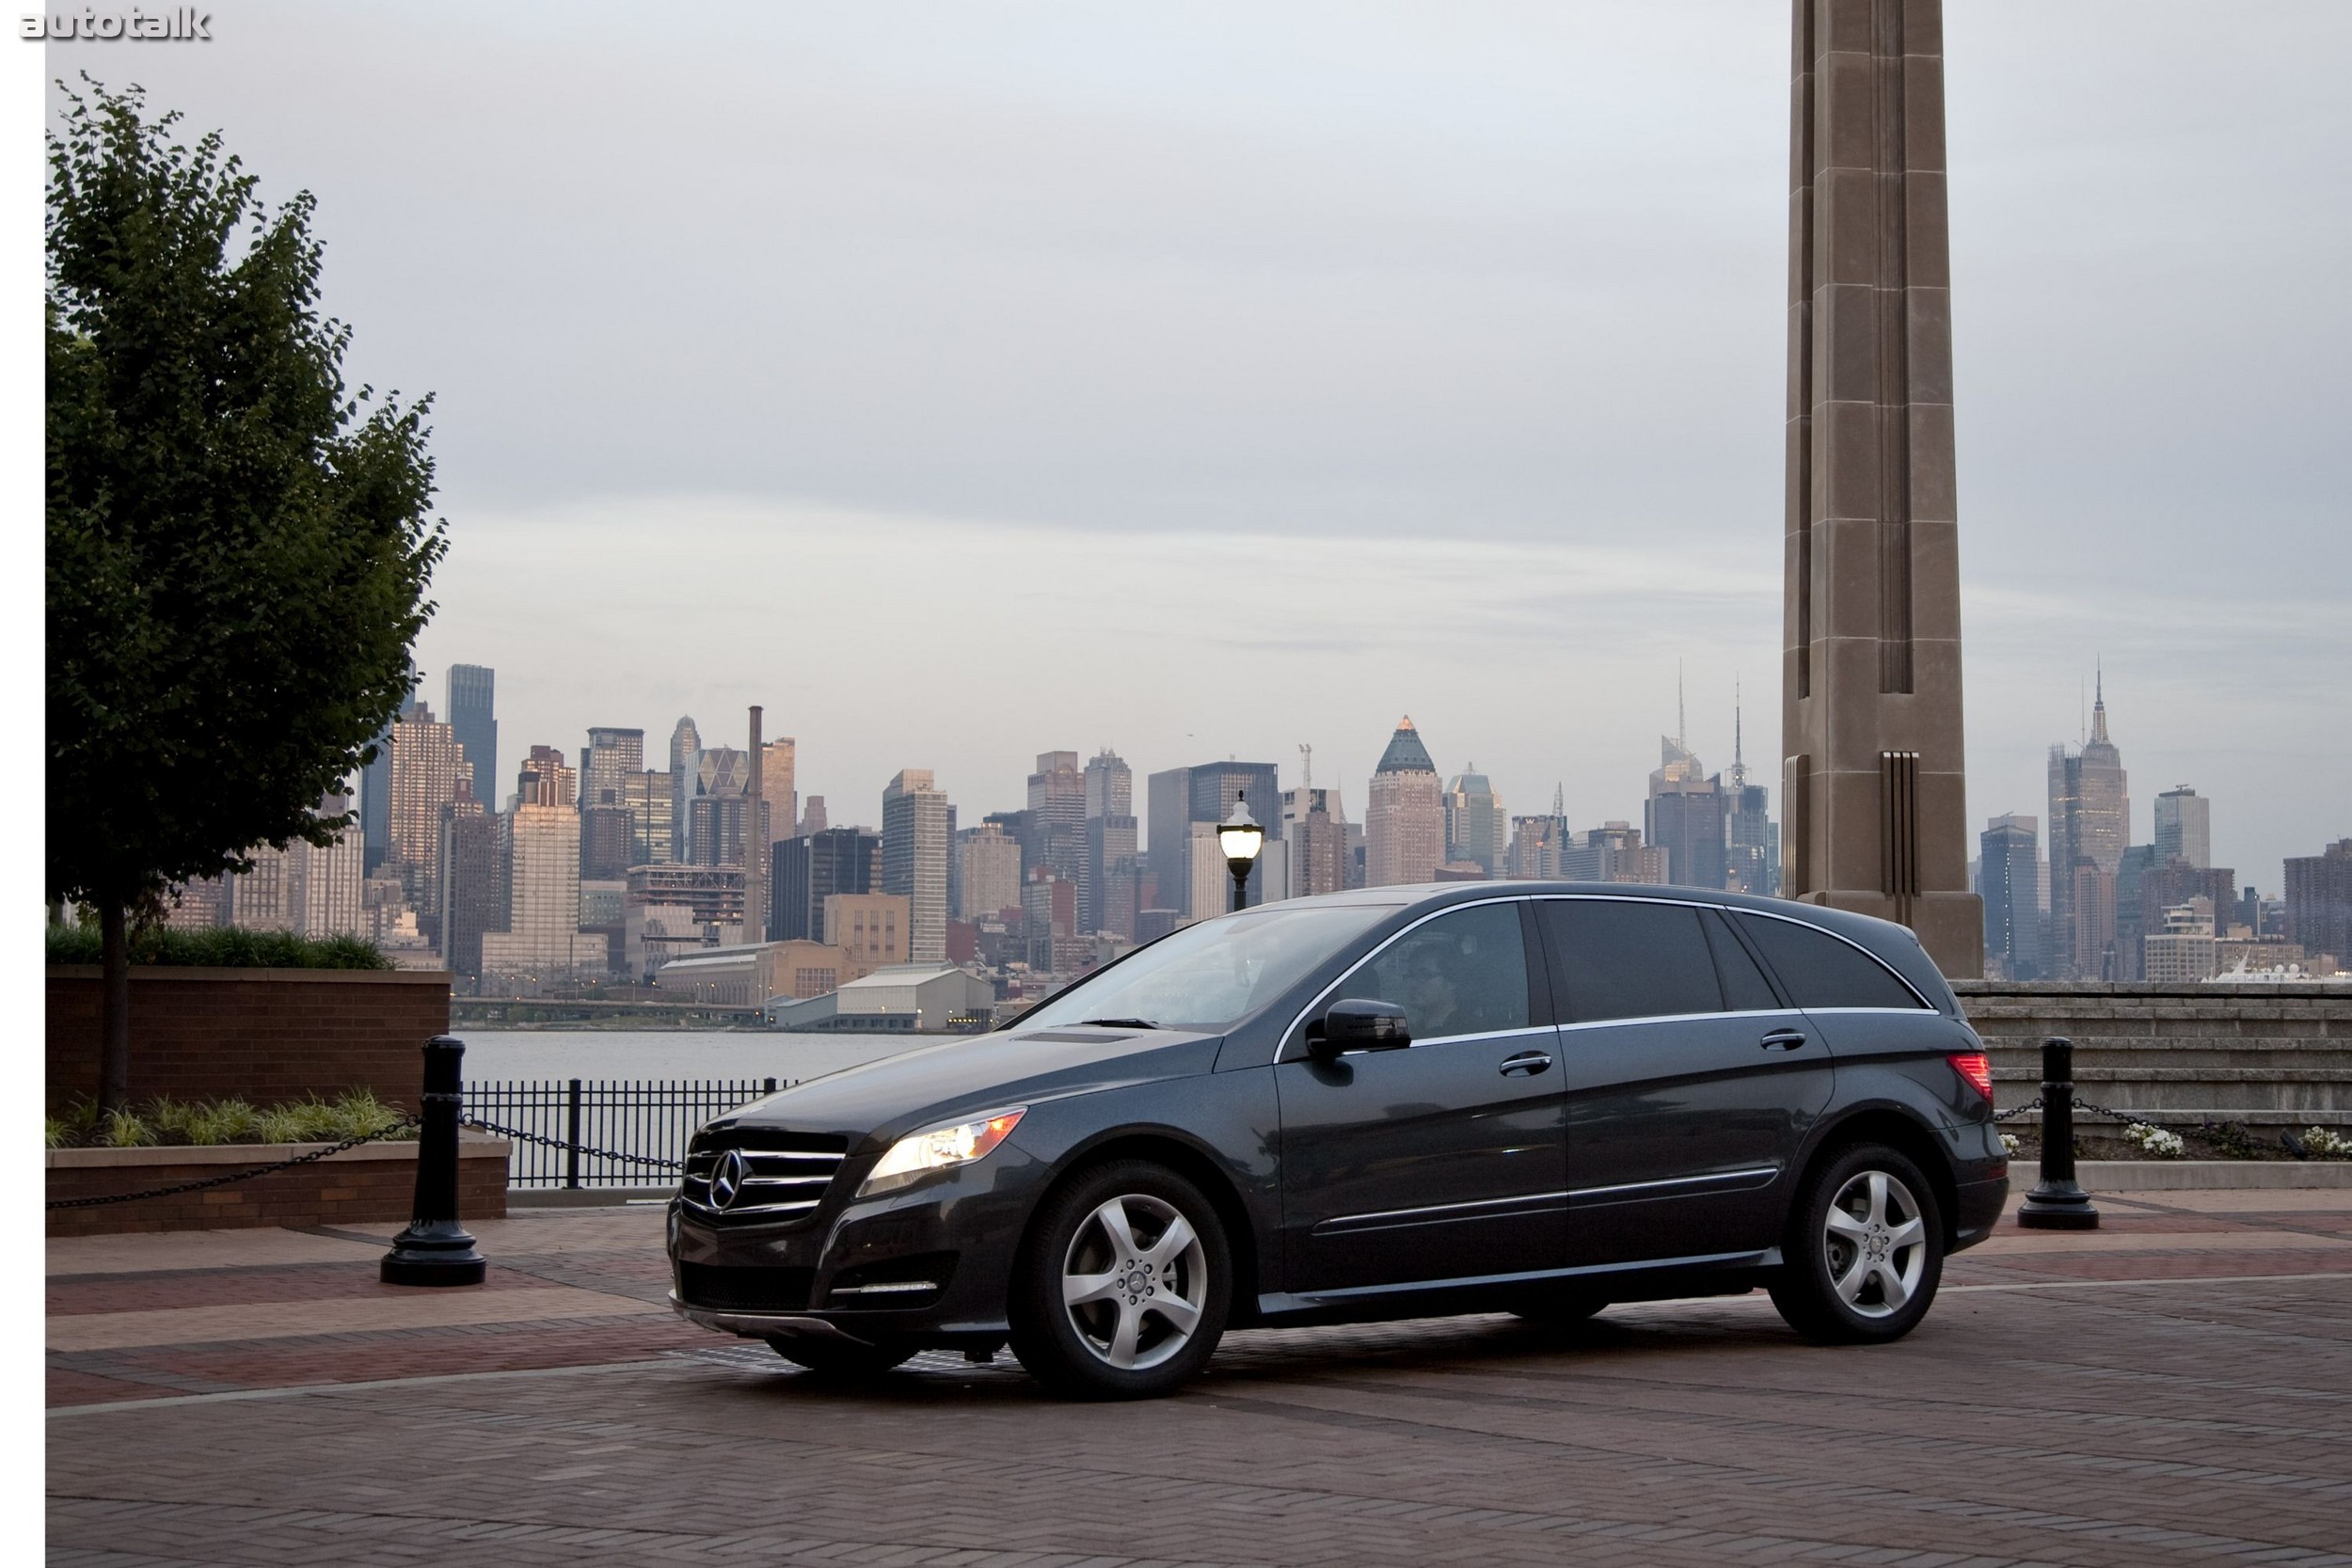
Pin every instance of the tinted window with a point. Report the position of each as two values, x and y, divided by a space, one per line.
1820 970
1745 990
1461 973
1629 960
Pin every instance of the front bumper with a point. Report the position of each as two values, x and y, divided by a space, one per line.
812 1273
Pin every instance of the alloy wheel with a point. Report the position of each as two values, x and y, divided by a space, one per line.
1135 1281
1876 1244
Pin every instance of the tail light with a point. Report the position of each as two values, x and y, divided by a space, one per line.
1976 1069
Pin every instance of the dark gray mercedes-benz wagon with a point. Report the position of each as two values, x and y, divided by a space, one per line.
1533 1097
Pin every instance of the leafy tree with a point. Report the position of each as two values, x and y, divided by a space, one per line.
238 547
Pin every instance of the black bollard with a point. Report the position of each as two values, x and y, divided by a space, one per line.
435 1249
2058 1201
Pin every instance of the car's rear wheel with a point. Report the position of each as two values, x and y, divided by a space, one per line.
1863 1251
838 1358
1123 1284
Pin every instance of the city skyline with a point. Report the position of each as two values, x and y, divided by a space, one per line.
1024 336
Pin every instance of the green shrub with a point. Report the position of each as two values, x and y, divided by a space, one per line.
180 1123
220 948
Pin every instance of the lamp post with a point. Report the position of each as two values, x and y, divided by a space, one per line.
1241 838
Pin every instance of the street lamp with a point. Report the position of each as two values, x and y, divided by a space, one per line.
1241 838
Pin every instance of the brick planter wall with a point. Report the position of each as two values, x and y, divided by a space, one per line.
261 1035
371 1183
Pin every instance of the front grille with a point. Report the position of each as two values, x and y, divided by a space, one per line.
753 1289
784 1174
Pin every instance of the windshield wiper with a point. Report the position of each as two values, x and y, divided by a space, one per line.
1118 1024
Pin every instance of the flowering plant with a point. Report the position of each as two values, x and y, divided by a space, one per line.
2154 1141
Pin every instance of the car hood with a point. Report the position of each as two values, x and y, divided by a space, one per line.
879 1101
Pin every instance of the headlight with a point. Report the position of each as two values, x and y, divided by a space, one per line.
918 1154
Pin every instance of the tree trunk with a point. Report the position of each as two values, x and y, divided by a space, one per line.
114 1006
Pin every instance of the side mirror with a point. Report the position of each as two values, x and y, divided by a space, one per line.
1358 1023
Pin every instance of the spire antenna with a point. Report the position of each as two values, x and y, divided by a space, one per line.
1682 728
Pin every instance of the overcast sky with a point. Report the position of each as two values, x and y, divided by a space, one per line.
969 380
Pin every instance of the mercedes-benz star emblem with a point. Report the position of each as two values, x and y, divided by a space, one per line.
726 1179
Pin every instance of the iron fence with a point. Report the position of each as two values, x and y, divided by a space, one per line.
604 1133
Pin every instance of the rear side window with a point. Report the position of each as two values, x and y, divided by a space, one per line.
1629 960
1820 970
1463 973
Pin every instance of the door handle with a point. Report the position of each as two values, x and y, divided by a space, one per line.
1783 1039
1526 1065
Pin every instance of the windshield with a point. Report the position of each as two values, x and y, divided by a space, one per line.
1211 975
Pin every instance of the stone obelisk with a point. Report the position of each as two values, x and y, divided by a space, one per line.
1873 805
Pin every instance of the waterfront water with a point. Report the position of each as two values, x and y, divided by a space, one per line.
496 1053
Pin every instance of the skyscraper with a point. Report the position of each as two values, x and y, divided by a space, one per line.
472 694
2319 901
1751 844
376 790
1314 827
1476 825
916 835
686 743
646 796
715 827
1684 816
473 885
2184 827
1404 817
425 770
2090 819
1057 815
1110 828
2008 880
780 786
606 762
991 883
543 942
608 830
811 868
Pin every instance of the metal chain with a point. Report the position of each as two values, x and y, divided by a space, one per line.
586 1150
177 1188
2033 1104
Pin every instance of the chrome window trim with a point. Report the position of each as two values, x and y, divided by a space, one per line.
1687 1018
1298 1023
1729 909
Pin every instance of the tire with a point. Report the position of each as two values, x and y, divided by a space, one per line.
840 1360
1132 1332
1863 1251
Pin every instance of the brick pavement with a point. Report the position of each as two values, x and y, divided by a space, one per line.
2173 1389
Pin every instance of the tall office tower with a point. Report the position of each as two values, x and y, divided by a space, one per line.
470 694
2157 889
2319 902
1111 837
2090 816
608 842
1750 843
473 885
376 790
686 743
1315 828
260 897
2008 880
610 756
780 788
1614 852
1537 843
813 819
645 796
991 872
329 878
544 781
2131 925
1404 817
426 767
914 860
1476 825
1684 816
2184 827
1057 815
543 944
806 871
715 808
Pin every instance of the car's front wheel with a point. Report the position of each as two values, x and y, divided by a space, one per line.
1123 1284
838 1358
1864 1250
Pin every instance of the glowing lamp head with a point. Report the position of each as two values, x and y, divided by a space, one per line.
1240 836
